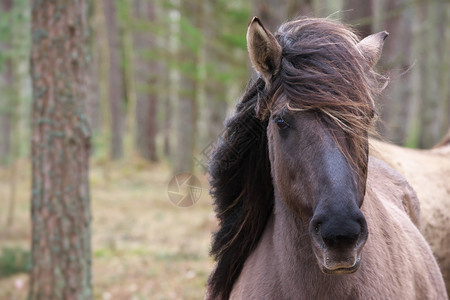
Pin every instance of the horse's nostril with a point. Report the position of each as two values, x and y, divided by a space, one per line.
340 241
317 227
343 235
329 242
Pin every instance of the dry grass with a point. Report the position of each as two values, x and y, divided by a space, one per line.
144 247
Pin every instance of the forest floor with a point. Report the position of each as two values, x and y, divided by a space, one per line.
144 247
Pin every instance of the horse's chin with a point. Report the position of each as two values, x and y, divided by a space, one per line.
341 270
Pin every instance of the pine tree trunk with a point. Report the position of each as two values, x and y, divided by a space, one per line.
61 247
5 101
126 41
187 105
430 134
169 97
167 123
102 50
93 89
148 73
116 92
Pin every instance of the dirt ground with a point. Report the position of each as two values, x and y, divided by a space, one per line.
144 247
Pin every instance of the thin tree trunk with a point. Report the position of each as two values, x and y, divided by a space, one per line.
169 96
155 69
187 106
413 124
60 212
15 85
9 124
124 6
5 115
5 109
102 47
116 91
148 73
215 104
445 70
167 123
430 86
93 97
152 125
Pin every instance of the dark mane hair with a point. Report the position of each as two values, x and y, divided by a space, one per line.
242 186
321 70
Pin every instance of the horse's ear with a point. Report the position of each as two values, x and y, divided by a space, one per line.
371 46
263 49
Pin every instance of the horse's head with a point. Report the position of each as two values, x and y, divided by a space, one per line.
319 86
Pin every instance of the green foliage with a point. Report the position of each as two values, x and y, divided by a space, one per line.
14 32
13 261
190 35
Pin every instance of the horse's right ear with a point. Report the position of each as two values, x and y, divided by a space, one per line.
263 49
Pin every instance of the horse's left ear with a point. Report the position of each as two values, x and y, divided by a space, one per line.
371 46
263 49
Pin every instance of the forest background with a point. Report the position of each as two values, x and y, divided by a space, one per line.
161 77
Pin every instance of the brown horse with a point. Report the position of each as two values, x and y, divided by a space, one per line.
428 171
304 213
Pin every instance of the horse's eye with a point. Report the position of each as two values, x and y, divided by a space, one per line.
281 123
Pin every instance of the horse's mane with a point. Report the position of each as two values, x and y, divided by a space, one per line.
242 186
322 71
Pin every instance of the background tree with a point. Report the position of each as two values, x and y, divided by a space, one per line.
191 15
115 80
61 247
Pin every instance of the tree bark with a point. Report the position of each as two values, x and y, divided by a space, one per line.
60 208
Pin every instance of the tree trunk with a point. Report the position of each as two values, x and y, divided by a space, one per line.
170 96
93 87
126 40
445 70
167 123
102 50
148 73
116 92
430 134
60 208
187 107
5 115
5 107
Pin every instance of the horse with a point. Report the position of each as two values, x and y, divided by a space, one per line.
428 171
303 211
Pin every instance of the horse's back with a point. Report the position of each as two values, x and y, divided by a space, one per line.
428 171
393 210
